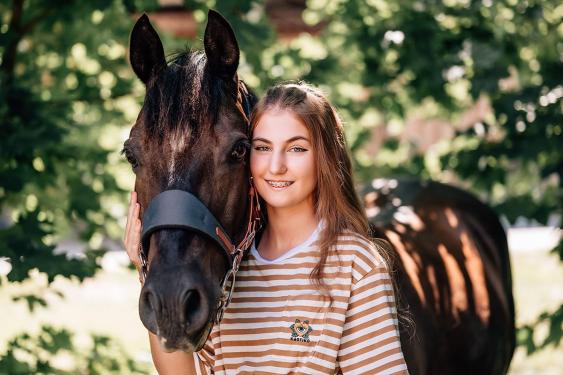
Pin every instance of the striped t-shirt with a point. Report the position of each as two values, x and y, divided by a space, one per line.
279 323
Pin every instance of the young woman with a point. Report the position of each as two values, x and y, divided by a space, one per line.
314 294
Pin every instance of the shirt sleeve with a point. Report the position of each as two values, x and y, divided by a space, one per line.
370 341
204 359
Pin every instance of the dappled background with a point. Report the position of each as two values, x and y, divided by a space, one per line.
459 91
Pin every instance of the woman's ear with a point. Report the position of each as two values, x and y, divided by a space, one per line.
145 50
221 47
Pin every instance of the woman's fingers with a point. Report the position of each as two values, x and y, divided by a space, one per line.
136 232
132 201
134 235
137 238
133 231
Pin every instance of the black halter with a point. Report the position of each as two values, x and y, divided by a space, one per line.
178 209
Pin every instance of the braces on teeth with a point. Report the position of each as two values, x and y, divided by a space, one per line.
279 184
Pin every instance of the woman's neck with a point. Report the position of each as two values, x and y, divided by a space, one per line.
287 228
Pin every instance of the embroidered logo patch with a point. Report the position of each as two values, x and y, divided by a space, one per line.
300 330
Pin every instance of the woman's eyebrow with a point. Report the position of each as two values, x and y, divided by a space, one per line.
292 139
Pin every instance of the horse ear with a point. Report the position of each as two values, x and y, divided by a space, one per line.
146 51
221 47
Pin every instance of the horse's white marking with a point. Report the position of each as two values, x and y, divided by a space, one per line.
177 148
178 139
171 166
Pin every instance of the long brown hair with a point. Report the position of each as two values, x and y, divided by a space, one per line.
335 199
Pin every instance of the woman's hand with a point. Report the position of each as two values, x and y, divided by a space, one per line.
132 237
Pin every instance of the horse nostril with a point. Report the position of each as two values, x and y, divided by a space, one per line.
149 308
192 304
151 301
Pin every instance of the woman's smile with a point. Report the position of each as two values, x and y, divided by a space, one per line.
279 185
282 161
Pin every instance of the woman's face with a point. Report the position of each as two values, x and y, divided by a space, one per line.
282 161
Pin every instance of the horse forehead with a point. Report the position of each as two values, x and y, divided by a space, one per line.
179 145
178 142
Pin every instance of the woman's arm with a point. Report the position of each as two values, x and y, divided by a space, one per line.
176 363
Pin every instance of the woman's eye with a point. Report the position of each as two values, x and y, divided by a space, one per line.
298 149
261 148
239 152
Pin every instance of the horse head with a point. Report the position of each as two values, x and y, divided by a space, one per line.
191 135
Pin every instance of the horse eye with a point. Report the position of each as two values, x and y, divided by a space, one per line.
239 152
130 158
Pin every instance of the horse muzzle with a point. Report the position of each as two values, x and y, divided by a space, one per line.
177 308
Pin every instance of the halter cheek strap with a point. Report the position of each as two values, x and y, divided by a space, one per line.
254 224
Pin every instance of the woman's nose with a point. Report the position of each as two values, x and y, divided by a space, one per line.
277 163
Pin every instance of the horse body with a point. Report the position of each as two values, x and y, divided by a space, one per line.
192 135
453 274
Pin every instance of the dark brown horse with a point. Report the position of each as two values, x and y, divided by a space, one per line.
192 135
453 271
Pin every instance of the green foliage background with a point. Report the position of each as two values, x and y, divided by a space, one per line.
68 98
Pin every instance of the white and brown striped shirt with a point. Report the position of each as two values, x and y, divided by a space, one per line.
279 323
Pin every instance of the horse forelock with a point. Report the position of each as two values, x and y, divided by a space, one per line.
183 99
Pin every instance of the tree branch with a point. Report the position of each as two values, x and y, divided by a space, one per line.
14 37
17 31
28 27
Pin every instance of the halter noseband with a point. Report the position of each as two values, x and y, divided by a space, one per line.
179 209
